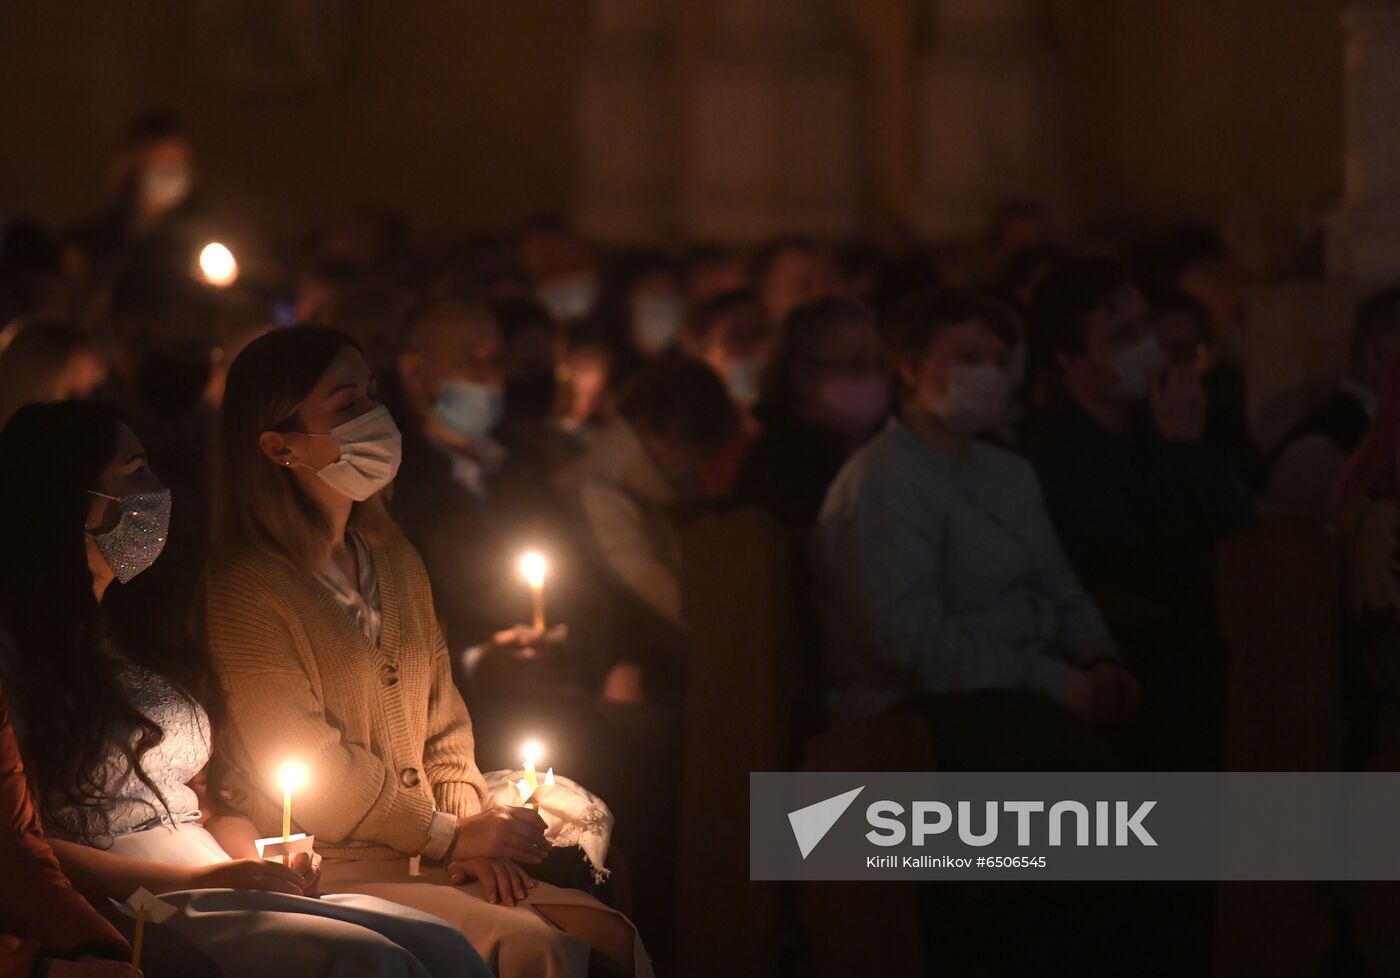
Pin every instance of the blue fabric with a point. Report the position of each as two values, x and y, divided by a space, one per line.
254 934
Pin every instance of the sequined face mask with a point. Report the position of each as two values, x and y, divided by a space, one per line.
139 536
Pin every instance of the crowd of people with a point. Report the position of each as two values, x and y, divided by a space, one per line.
278 516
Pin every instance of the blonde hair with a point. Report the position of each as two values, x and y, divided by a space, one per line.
258 504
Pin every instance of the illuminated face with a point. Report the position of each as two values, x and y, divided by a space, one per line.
345 391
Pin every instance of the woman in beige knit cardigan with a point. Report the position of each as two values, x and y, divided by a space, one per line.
319 619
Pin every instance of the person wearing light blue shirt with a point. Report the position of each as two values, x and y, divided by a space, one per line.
939 572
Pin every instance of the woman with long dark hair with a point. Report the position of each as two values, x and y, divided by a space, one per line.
319 619
114 718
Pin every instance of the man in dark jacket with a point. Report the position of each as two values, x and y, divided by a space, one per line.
1138 499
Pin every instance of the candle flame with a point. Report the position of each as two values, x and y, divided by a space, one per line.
532 751
532 567
218 265
292 776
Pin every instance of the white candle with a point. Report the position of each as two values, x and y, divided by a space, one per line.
532 755
137 941
292 776
532 568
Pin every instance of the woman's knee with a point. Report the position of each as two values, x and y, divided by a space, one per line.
540 948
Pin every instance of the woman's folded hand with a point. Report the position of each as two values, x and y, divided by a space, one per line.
501 880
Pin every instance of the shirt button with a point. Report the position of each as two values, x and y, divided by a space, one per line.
409 777
388 675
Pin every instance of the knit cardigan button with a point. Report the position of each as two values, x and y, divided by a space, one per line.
409 777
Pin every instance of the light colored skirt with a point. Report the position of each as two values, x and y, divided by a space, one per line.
183 844
516 942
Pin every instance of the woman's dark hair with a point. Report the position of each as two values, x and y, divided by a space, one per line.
68 692
803 329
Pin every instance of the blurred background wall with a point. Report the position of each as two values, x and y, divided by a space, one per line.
463 114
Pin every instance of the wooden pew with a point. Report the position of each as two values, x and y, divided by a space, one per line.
840 917
1281 614
737 594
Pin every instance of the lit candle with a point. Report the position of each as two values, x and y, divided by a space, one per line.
531 797
532 568
532 755
217 265
292 776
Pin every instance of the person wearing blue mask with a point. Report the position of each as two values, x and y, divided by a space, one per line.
447 395
471 506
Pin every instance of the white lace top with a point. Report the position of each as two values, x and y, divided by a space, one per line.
131 805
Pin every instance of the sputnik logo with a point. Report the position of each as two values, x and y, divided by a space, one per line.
811 824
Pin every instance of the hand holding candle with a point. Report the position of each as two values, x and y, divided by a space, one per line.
532 568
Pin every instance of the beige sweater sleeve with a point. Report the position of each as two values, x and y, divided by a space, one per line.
449 755
277 716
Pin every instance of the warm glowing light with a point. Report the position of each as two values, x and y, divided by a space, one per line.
218 265
532 752
532 566
292 777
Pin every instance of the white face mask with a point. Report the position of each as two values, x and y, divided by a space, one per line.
1138 366
656 322
745 380
976 399
569 298
370 451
